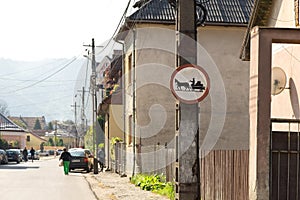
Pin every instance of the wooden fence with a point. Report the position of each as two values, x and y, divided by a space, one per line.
224 175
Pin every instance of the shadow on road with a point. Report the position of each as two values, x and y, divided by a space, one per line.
16 166
78 171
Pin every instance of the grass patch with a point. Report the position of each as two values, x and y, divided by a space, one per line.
155 183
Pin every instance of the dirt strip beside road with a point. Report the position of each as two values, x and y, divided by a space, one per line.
110 186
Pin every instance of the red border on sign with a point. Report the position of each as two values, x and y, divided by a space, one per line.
195 100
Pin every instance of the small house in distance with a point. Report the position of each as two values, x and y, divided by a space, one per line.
12 133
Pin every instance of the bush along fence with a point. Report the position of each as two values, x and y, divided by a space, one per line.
155 183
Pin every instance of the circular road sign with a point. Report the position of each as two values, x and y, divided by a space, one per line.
190 84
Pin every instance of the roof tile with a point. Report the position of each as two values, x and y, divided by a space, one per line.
7 125
218 11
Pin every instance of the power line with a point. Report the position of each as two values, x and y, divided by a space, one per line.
50 100
17 85
121 20
33 80
33 68
47 77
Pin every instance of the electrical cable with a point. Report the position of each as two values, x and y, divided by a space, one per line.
33 80
50 100
116 30
33 68
16 85
47 77
297 59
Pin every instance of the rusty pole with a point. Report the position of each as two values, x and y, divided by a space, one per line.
187 168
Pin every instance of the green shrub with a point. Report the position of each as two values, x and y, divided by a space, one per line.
155 183
113 141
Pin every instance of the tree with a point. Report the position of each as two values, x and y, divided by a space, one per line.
88 138
100 127
14 143
42 146
60 142
50 126
3 108
3 144
37 125
50 142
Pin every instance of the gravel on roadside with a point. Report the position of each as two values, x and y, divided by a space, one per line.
110 186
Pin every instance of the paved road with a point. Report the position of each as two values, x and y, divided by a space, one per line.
42 180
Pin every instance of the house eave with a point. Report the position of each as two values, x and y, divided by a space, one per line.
259 17
224 24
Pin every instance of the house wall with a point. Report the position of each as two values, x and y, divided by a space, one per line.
286 104
116 121
34 141
154 100
283 14
223 45
155 105
128 98
14 136
227 149
68 141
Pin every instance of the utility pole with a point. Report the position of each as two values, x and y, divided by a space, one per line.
75 114
188 166
94 100
82 125
55 133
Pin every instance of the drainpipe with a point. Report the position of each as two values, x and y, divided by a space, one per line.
133 101
124 103
108 143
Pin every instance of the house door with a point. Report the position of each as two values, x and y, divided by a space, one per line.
285 159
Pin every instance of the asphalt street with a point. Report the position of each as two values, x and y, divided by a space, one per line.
42 179
45 180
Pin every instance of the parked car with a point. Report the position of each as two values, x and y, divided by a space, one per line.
51 152
43 153
14 155
35 157
81 160
3 157
58 152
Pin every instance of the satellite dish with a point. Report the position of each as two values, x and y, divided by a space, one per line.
278 80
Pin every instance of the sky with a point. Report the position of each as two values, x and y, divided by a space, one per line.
39 29
38 39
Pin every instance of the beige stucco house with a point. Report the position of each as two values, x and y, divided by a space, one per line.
273 99
35 141
12 133
149 60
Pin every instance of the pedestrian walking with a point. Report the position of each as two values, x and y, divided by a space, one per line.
32 152
101 158
25 154
66 158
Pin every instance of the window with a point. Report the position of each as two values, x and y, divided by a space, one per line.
297 12
129 69
28 138
129 139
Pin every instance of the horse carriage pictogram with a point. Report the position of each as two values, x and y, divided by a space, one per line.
197 85
194 86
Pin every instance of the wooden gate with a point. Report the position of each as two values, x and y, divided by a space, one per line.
224 175
284 159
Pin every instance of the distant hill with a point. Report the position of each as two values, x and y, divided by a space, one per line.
42 88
